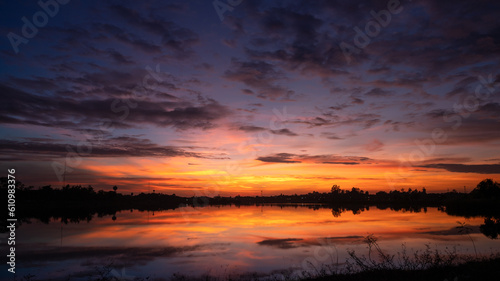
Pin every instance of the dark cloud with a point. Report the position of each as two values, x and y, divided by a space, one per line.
251 129
304 38
119 58
341 163
247 92
454 231
123 146
417 106
254 129
37 83
284 132
314 122
490 110
379 69
454 160
324 159
287 243
174 37
296 37
290 243
99 32
278 158
462 168
330 135
464 86
378 92
365 120
357 100
467 127
18 107
260 75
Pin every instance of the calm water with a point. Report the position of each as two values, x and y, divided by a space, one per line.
228 240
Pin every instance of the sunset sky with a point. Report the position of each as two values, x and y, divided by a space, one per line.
188 97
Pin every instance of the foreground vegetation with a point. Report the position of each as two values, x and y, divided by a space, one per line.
485 269
427 264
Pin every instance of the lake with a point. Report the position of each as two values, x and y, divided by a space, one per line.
228 241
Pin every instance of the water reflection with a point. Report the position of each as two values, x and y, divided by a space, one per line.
262 239
491 227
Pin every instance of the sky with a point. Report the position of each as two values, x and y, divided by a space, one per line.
250 97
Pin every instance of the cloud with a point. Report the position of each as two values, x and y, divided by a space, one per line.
290 243
324 159
118 57
178 39
374 145
330 136
100 30
19 107
357 101
464 86
295 37
453 231
378 92
254 129
341 163
364 120
251 129
247 92
453 160
260 75
278 158
462 168
287 243
305 37
467 127
284 132
123 146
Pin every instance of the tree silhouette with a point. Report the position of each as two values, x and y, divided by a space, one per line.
486 189
115 188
